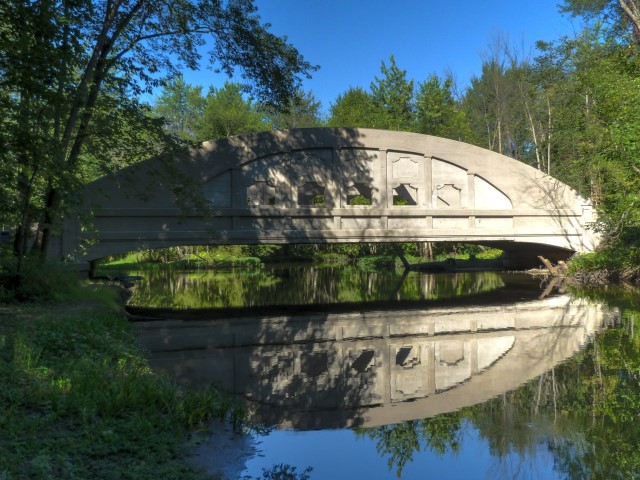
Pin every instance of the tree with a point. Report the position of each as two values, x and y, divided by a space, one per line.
437 112
60 59
354 108
302 111
400 442
623 16
533 91
227 113
393 97
182 106
492 105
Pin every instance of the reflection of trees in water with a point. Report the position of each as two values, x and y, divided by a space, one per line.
177 289
585 413
454 285
400 442
296 285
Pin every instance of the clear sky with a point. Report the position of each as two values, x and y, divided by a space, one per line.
349 39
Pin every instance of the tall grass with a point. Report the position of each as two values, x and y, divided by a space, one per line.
78 399
36 281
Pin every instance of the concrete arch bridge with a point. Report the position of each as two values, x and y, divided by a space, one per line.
330 185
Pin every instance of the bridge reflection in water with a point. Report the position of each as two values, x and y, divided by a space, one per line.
342 370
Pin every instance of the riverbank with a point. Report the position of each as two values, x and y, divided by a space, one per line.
614 265
78 400
230 257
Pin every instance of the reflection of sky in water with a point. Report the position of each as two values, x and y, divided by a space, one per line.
338 454
460 357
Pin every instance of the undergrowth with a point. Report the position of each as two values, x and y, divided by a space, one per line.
36 281
607 265
78 399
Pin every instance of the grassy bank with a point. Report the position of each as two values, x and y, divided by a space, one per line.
251 257
614 264
78 400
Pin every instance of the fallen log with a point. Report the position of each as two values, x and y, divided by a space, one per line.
549 266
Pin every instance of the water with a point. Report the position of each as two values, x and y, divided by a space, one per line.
306 284
372 375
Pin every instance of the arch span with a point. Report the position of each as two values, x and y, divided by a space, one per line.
330 185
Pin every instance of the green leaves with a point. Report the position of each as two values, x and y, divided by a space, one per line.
227 113
182 106
393 96
394 104
70 76
354 108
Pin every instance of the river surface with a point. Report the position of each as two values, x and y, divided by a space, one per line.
372 375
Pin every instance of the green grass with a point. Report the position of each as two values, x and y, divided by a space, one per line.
250 263
78 399
219 259
37 282
485 254
376 262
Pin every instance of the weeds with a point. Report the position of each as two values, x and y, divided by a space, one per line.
36 281
78 400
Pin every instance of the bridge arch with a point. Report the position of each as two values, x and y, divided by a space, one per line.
328 185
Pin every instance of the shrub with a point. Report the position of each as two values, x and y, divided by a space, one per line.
36 281
377 262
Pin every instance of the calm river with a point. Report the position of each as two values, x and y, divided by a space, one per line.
383 375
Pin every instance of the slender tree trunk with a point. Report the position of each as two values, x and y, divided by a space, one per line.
49 213
549 125
532 126
81 113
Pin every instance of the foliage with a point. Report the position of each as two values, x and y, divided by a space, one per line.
331 257
437 112
602 130
226 113
494 104
401 441
71 72
622 16
374 262
317 200
615 263
302 111
261 251
393 96
399 200
354 108
36 282
182 107
285 471
359 200
78 400
216 262
572 112
487 253
392 103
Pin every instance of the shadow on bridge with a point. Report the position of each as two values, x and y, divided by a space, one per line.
331 186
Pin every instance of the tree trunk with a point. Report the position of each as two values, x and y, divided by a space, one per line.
632 9
49 212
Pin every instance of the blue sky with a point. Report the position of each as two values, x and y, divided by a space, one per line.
349 39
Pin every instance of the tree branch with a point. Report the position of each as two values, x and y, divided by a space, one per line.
632 9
